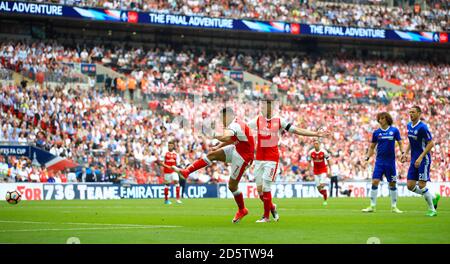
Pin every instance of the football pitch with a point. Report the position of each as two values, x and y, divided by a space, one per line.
208 221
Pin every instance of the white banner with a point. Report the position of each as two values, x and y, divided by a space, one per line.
309 190
36 191
29 191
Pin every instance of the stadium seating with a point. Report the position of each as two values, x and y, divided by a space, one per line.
119 140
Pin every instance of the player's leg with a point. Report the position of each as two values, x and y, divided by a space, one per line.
259 176
429 198
434 197
393 192
258 172
376 177
373 196
421 175
238 167
270 171
391 177
320 183
176 181
167 180
239 199
219 155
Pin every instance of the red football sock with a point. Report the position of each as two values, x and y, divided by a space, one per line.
166 193
198 164
267 203
324 193
262 200
239 198
261 196
178 192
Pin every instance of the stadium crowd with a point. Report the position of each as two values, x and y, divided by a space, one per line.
123 147
41 61
311 12
116 140
153 70
164 70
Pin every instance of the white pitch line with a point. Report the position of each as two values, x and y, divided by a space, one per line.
118 225
82 229
24 222
98 224
353 210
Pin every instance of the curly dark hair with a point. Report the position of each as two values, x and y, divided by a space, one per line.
386 116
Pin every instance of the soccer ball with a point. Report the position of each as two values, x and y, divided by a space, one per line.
13 197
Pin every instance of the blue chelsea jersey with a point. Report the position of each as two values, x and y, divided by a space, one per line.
385 140
418 136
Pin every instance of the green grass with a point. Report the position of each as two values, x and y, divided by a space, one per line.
208 221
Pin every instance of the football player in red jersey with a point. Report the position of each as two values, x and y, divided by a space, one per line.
171 158
237 147
269 128
318 156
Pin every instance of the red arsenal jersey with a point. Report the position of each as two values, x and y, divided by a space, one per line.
170 159
268 132
319 158
244 142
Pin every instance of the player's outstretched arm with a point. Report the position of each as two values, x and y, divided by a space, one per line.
222 144
308 133
166 166
163 164
226 136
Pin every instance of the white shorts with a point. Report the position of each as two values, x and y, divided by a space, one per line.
265 171
169 177
238 164
320 179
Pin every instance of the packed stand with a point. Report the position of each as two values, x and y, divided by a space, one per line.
310 79
119 141
41 61
162 71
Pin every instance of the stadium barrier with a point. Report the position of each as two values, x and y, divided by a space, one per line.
309 190
105 191
102 191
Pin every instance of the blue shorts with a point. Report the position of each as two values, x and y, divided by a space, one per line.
388 170
422 173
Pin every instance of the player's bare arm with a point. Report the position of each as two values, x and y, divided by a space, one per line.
400 146
222 144
165 165
371 151
428 148
226 136
309 133
160 163
407 151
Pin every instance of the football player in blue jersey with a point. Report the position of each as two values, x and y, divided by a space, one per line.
384 139
420 144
